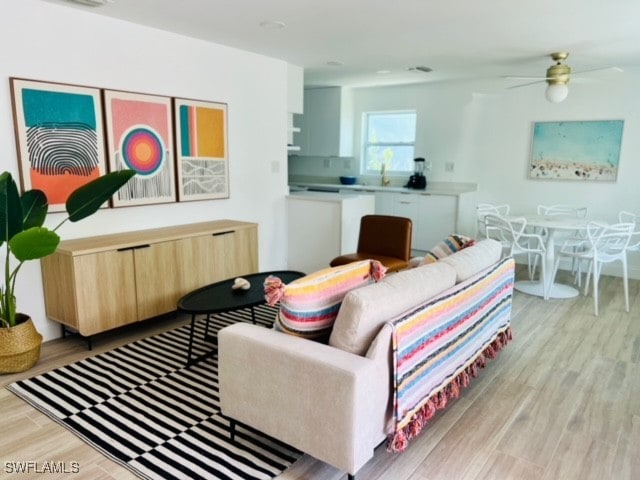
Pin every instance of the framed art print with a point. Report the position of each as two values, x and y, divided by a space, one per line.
576 150
59 137
201 149
140 137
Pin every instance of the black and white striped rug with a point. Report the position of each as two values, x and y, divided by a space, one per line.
142 407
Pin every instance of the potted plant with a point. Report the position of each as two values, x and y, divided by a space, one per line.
23 237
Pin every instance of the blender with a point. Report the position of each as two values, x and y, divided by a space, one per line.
418 181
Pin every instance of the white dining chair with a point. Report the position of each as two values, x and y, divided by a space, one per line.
603 244
628 217
484 209
511 234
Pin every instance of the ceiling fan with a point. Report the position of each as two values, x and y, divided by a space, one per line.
557 77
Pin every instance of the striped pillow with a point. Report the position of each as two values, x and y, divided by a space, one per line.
449 245
309 305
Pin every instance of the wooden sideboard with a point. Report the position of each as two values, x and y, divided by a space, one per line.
98 283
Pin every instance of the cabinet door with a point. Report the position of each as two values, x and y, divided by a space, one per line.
408 205
384 203
160 278
105 291
167 271
320 124
437 220
244 259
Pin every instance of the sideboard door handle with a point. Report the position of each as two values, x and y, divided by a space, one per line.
217 234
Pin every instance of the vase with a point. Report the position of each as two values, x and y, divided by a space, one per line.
19 346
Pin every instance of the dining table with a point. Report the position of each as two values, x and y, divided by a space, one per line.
555 226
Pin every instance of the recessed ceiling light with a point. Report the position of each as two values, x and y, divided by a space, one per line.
383 72
420 68
335 63
272 24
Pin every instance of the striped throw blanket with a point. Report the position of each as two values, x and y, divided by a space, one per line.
441 345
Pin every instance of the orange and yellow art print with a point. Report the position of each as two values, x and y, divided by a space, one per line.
202 157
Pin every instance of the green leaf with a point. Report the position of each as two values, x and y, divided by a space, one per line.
87 199
34 243
10 208
34 208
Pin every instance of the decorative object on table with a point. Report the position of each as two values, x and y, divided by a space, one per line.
168 441
569 151
348 180
241 284
24 238
140 138
202 153
59 137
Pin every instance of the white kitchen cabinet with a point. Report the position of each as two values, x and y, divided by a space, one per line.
434 217
326 127
437 220
384 203
323 226
295 89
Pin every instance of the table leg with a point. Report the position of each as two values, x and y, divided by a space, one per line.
546 287
191 333
253 316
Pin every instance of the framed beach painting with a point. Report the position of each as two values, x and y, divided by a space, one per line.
59 137
140 137
576 150
202 154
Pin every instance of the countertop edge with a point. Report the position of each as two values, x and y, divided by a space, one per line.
432 189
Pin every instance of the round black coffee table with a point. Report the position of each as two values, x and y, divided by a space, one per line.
219 297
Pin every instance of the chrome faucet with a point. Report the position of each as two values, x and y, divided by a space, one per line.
384 181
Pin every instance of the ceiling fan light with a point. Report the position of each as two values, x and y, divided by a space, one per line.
556 93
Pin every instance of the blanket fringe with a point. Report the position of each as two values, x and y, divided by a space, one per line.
399 441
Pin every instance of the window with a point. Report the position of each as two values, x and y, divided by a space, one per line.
389 138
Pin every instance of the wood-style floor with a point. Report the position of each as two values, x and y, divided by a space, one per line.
562 401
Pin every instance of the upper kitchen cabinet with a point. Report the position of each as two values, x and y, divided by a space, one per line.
326 127
295 89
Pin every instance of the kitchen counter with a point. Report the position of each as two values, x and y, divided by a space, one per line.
327 196
433 188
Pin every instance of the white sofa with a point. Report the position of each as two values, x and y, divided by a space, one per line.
336 401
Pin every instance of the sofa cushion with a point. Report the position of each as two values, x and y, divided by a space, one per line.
474 259
309 305
446 247
365 310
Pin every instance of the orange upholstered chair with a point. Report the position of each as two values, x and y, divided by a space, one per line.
384 238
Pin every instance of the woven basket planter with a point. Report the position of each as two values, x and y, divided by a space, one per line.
19 346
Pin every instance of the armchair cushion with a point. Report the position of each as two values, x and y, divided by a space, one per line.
309 305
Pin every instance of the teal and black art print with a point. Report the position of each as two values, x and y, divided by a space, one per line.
576 150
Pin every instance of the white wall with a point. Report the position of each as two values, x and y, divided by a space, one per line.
48 42
487 135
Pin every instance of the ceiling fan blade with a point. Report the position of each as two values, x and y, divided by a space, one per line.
524 77
601 69
526 84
